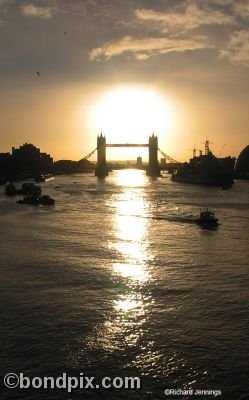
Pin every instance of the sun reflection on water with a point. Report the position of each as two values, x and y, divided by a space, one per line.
133 272
131 178
128 304
131 244
125 326
131 226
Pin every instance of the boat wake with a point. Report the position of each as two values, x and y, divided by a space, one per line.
189 220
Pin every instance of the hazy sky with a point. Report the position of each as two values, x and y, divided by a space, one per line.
193 55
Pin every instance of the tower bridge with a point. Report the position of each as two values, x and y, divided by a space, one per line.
153 168
101 169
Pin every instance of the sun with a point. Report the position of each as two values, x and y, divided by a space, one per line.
131 114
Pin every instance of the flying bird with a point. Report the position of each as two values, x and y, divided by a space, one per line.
38 73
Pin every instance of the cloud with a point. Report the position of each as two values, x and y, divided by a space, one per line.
222 2
192 18
142 49
30 10
178 29
4 4
241 8
237 50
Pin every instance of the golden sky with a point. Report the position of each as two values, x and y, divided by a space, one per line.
178 68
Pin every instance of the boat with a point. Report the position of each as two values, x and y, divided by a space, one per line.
37 200
29 189
40 178
10 189
32 200
206 169
46 200
207 219
43 178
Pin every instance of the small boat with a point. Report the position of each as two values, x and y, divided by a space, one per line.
29 189
10 189
33 200
40 178
46 200
207 219
36 200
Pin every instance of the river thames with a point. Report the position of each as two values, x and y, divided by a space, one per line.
113 281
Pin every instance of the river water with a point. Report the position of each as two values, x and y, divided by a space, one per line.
113 281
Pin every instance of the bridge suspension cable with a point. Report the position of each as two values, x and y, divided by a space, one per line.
168 158
90 154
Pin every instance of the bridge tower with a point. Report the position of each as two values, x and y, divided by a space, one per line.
153 168
101 169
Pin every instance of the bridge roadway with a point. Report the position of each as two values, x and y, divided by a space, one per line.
127 145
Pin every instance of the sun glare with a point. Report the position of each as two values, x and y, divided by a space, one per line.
131 114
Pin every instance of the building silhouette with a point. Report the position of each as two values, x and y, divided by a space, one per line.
29 159
242 164
139 162
25 160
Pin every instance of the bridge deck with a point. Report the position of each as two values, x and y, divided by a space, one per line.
127 145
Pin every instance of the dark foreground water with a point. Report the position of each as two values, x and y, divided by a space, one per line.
113 281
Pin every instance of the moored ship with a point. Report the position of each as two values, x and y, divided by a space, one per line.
206 169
